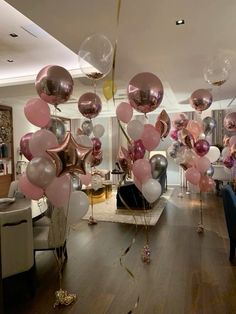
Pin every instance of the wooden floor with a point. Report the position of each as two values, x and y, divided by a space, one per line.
189 272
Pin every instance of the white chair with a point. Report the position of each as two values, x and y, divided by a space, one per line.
17 244
14 190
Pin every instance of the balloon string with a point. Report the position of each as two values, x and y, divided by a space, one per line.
123 131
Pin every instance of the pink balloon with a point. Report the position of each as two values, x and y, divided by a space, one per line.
206 184
142 170
174 134
136 150
193 175
232 140
202 164
58 191
180 121
86 178
230 122
202 147
24 145
97 144
195 128
41 141
28 189
150 137
37 112
138 184
124 112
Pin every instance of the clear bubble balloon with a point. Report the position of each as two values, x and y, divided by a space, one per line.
217 70
96 56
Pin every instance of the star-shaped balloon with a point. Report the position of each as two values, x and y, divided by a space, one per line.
69 156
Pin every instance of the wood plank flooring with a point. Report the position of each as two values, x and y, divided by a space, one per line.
189 272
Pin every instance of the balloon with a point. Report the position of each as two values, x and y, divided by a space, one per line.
209 124
225 152
79 201
145 92
84 140
210 171
150 137
202 164
96 182
142 170
206 184
37 112
135 129
57 127
194 128
213 154
76 182
124 112
54 84
201 147
159 165
174 134
69 156
24 145
217 70
163 124
233 151
96 158
138 184
86 178
96 56
228 161
180 121
58 191
40 141
124 160
28 189
193 175
230 122
136 150
98 130
87 127
186 138
151 190
107 87
201 99
226 140
89 105
232 140
96 144
40 171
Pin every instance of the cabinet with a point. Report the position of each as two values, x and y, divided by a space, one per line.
6 150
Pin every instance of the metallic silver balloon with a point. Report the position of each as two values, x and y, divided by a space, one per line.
210 171
57 127
87 127
54 84
159 165
209 124
76 183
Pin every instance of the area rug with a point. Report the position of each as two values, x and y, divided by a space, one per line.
107 211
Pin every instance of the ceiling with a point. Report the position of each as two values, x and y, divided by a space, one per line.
148 40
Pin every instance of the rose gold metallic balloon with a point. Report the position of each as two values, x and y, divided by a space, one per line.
54 84
89 105
145 92
163 124
180 121
201 99
230 122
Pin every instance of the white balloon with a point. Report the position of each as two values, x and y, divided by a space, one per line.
84 140
135 129
213 154
225 152
151 190
98 130
202 136
78 206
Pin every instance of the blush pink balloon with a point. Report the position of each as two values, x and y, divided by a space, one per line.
142 170
28 189
195 128
193 175
24 145
202 164
37 112
150 137
86 178
58 191
124 112
206 184
41 141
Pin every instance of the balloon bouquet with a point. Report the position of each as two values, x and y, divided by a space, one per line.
145 93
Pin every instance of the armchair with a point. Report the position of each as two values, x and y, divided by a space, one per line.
229 202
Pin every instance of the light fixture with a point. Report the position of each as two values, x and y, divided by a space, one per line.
14 35
10 60
179 22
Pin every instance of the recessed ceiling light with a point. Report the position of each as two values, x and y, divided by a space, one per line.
179 22
10 60
13 35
